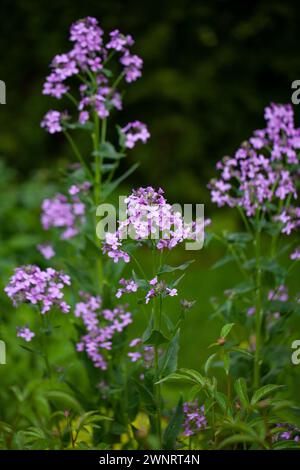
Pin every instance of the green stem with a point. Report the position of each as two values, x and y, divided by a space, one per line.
244 218
258 312
44 347
97 185
72 99
77 152
157 314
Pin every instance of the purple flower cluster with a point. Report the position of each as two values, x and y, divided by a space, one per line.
67 213
194 418
262 171
287 432
42 288
280 294
128 286
159 288
149 216
102 325
133 132
25 333
290 219
156 288
53 121
140 352
89 57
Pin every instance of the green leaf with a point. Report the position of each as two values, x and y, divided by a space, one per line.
238 438
174 427
263 392
238 237
243 287
110 187
63 400
226 361
156 338
242 393
149 329
88 126
168 362
242 351
170 269
91 417
187 375
107 150
222 401
31 350
209 362
223 261
226 330
286 445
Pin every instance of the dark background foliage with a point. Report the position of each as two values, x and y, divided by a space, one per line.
210 68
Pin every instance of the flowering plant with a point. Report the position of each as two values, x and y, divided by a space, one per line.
235 399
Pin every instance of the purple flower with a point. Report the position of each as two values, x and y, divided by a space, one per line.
159 288
119 41
134 356
132 66
102 326
194 418
129 286
149 216
280 294
260 174
286 431
87 57
251 311
30 284
52 121
295 255
64 213
46 250
143 353
25 333
153 281
133 132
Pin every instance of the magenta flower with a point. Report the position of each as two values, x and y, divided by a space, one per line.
102 326
261 171
149 216
295 255
128 286
144 354
65 213
52 121
25 333
194 420
119 41
46 250
30 284
87 57
133 132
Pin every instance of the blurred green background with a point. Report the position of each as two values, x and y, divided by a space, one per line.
210 68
